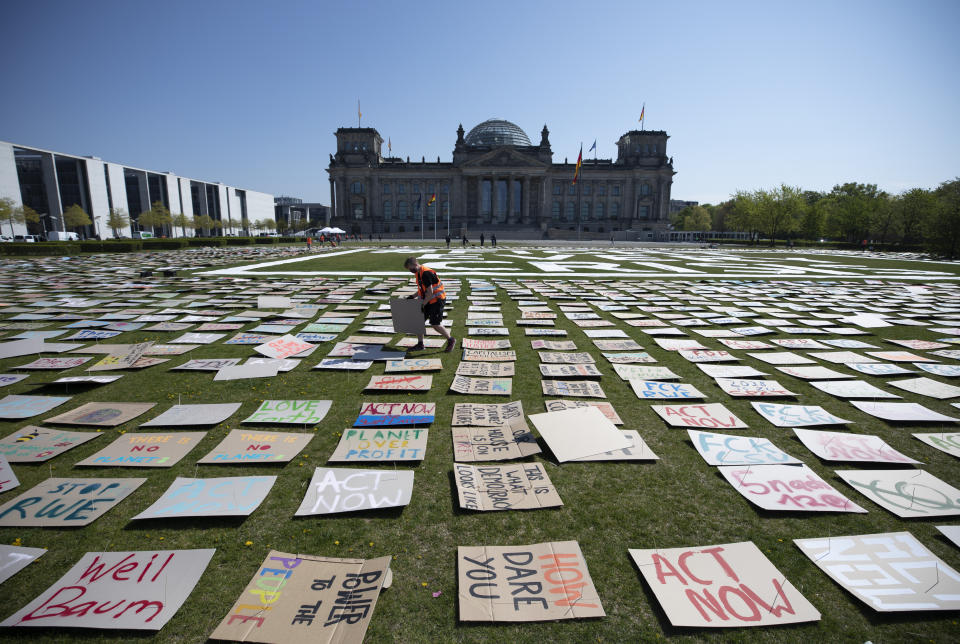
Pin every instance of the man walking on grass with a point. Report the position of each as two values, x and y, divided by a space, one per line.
431 294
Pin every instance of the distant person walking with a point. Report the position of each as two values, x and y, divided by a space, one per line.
493 240
448 240
481 240
432 298
309 243
463 242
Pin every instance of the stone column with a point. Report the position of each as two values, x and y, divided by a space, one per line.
479 200
332 212
628 202
525 199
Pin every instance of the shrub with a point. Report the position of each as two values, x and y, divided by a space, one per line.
239 241
266 240
39 248
119 246
198 242
165 244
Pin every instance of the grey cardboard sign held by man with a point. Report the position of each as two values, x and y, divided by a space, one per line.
432 298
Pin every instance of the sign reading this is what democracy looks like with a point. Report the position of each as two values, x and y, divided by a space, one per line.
531 583
117 590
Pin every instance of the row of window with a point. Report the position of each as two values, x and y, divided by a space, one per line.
406 209
599 190
359 188
587 211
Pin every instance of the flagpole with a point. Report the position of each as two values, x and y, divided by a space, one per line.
358 113
579 191
434 216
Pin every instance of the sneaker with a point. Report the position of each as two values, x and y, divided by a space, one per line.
451 343
417 347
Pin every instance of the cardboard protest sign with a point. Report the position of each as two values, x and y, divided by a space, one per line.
605 408
948 442
841 446
951 532
489 331
296 599
724 449
707 355
657 390
283 347
553 345
250 338
376 352
505 442
123 359
407 316
813 373
24 347
745 345
486 355
486 415
578 432
399 383
712 415
727 585
889 572
752 388
415 364
796 415
729 371
11 378
907 493
482 386
344 364
848 389
242 446
486 369
206 364
472 343
369 445
204 414
556 583
902 412
8 480
333 490
13 559
617 345
56 364
791 488
15 407
565 358
290 412
523 486
629 357
570 371
879 369
61 503
576 388
927 387
106 414
119 590
248 370
33 444
375 414
273 302
231 496
428 343
636 451
644 372
145 450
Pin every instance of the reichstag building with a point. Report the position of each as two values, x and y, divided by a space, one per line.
500 183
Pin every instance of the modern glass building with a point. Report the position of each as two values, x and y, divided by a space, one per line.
500 183
50 182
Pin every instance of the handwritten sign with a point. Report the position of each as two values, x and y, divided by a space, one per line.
301 599
655 389
565 358
575 388
399 383
145 450
484 355
117 590
8 480
524 486
605 408
243 446
54 363
902 412
13 559
724 449
948 442
33 444
207 364
62 502
707 355
230 496
344 363
283 347
726 585
889 572
290 412
106 414
369 445
486 369
851 389
333 490
629 358
415 364
907 493
617 345
792 488
472 343
374 414
496 443
185 415
711 416
740 387
11 378
796 415
841 446
15 407
486 415
553 345
570 371
879 368
644 372
482 386
555 583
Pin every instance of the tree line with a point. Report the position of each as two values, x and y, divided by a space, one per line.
852 213
157 218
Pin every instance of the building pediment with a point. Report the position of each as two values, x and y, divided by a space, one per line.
504 158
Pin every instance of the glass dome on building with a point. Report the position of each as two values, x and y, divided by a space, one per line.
497 132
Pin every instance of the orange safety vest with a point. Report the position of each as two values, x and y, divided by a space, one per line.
438 291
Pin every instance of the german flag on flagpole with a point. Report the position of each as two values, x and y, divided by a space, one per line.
576 172
433 198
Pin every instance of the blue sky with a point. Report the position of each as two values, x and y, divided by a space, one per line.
250 93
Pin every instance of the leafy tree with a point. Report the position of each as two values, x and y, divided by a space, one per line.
117 219
15 214
216 224
147 220
942 226
849 216
181 220
75 217
745 213
203 223
245 224
695 218
914 207
259 225
884 219
269 224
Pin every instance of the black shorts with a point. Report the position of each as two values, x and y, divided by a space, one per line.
433 312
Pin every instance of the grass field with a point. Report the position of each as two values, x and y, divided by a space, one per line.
608 506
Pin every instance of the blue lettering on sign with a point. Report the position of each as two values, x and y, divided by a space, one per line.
373 421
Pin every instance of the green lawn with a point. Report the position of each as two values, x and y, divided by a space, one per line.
608 507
